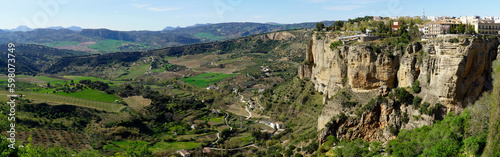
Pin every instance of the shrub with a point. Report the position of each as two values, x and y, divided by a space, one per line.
405 118
336 44
402 95
357 147
444 138
349 104
370 105
416 102
313 146
393 130
475 144
424 108
416 86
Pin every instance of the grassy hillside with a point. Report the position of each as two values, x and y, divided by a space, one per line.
217 57
59 99
203 80
62 43
111 45
32 59
208 36
91 94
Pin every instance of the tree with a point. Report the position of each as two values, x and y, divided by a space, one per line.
337 25
402 95
416 86
470 30
320 26
460 29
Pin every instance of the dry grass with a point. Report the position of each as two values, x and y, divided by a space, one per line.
137 101
187 63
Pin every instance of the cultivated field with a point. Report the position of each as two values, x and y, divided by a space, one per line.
203 80
55 99
137 101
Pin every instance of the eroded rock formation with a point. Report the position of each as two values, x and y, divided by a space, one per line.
451 72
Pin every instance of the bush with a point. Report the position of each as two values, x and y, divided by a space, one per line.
349 104
393 130
444 138
402 95
416 86
357 147
373 102
370 105
416 101
405 118
313 146
424 108
475 144
336 44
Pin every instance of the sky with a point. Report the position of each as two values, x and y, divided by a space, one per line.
155 15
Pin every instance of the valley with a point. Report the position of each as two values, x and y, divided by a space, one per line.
271 91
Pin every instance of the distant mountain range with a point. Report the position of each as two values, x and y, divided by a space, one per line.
105 40
24 28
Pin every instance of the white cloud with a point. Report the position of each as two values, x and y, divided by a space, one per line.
161 9
153 8
344 7
139 5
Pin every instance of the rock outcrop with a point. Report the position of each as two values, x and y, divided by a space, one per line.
450 71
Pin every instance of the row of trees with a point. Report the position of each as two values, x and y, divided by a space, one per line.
337 25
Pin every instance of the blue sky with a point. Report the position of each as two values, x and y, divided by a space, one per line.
157 14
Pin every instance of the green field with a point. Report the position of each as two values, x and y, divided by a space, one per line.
62 99
112 45
47 91
205 79
66 79
208 36
62 43
91 94
135 71
78 78
174 145
124 145
43 78
216 119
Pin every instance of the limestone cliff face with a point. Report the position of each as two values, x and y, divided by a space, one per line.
450 72
455 74
357 66
376 124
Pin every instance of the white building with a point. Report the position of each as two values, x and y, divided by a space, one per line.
432 18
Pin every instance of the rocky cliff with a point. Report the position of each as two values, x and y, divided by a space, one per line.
453 72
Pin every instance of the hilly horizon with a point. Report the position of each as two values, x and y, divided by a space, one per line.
105 40
24 28
123 79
